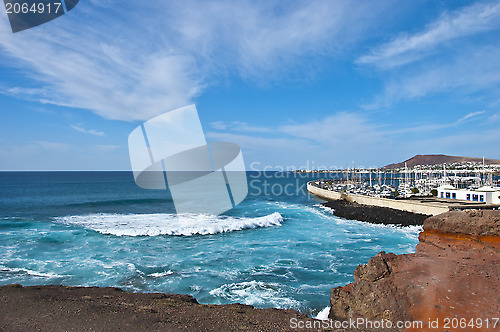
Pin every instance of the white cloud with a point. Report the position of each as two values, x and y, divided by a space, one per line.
456 53
238 126
345 128
471 115
343 137
131 62
81 129
269 36
340 137
466 142
55 155
219 125
50 146
26 92
275 152
479 17
90 65
106 148
256 142
494 117
470 70
420 128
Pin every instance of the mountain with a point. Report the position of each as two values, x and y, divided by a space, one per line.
433 159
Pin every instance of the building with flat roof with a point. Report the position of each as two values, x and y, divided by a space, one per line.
486 194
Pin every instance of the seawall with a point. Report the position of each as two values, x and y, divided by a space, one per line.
427 208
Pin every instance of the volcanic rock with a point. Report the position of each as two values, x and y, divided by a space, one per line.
454 274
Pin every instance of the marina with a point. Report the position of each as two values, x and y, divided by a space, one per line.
422 189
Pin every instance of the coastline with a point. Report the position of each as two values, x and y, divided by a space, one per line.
374 214
93 228
62 308
453 273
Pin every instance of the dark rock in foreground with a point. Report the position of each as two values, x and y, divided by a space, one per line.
454 274
374 214
59 308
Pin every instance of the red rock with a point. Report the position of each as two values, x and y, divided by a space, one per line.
452 275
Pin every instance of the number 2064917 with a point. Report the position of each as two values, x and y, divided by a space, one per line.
35 8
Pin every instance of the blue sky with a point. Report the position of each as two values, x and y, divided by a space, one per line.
294 83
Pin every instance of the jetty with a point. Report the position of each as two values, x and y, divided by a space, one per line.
417 204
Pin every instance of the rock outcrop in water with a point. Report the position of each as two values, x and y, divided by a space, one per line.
452 277
374 214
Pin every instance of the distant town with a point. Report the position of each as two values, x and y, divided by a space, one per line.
467 181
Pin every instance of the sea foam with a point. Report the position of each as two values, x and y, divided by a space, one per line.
323 314
167 224
256 293
13 270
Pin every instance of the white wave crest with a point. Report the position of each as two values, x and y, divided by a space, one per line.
323 314
256 293
161 274
29 272
412 232
327 209
167 224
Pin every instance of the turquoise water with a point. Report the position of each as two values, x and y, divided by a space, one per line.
278 248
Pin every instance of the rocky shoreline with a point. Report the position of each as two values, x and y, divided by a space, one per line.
453 277
60 308
374 214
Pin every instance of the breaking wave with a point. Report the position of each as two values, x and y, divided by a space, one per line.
167 224
256 293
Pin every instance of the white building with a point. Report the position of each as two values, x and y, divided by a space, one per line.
485 194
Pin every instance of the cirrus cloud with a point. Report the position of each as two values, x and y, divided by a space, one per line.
132 62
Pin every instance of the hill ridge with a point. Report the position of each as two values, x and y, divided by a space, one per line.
434 159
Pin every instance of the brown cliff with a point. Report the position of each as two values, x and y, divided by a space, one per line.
452 277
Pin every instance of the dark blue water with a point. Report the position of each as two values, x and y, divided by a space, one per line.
278 248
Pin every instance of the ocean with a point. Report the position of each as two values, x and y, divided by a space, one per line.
278 248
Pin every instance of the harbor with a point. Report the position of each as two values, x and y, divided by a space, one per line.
428 190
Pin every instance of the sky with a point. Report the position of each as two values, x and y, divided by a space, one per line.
296 84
